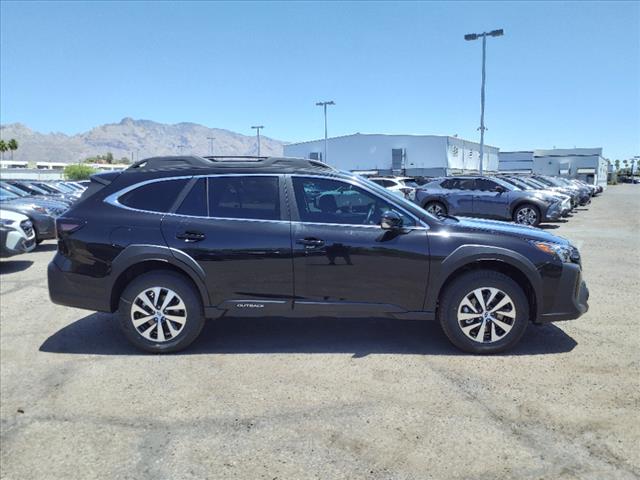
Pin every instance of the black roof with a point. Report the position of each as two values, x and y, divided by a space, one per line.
228 163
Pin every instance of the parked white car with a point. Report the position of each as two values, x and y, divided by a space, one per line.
16 234
401 186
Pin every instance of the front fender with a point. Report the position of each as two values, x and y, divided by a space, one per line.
466 255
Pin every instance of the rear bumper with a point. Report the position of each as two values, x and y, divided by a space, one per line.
74 290
572 297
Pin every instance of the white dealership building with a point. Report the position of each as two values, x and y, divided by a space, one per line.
412 155
586 164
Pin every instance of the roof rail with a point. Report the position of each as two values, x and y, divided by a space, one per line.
226 161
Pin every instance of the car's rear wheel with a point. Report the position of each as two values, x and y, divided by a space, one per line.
484 312
527 214
437 209
161 312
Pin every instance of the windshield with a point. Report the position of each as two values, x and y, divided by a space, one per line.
502 182
38 189
62 187
6 194
14 190
518 183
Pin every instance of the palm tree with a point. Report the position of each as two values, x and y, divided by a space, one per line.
3 148
12 145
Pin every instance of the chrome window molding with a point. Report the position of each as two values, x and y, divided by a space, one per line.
113 199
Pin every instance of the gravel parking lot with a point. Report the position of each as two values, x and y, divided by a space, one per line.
326 398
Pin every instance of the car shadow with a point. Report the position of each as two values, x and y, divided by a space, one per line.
46 247
13 266
548 226
99 334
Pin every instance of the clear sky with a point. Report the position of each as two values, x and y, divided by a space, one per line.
564 74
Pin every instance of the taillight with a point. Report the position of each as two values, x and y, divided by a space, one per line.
66 226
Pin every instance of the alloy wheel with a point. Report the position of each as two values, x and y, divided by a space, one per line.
158 314
526 216
435 209
486 315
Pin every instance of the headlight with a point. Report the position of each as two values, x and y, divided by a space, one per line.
563 252
5 222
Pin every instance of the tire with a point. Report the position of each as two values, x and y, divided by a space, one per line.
435 208
185 307
527 214
453 302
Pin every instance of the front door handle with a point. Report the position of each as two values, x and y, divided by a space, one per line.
310 242
190 236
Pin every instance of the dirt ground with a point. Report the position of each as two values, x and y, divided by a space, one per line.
329 398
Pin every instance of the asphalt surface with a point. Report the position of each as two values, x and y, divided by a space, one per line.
326 398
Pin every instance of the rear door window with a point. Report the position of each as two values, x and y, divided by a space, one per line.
250 197
195 203
154 197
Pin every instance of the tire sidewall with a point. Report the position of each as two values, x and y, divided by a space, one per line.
193 304
448 312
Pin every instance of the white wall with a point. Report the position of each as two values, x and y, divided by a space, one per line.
374 152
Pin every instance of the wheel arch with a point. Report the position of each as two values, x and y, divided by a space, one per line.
477 257
136 260
525 201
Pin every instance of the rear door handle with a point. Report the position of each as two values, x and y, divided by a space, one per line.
190 236
310 242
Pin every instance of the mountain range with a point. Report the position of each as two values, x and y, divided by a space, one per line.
135 139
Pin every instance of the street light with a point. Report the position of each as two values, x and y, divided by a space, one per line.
475 36
211 139
324 106
258 127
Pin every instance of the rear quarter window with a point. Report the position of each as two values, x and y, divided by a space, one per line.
154 197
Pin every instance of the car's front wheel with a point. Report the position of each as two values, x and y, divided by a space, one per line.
484 312
161 312
437 209
527 215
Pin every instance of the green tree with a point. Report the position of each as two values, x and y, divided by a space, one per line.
3 148
617 164
12 145
78 172
109 158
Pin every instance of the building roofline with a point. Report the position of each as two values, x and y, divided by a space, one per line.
359 134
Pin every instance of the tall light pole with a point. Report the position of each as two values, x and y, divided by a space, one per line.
257 128
211 139
324 106
475 36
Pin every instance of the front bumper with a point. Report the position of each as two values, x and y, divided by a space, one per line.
554 212
571 300
14 242
45 226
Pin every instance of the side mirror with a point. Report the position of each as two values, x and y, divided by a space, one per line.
391 220
500 189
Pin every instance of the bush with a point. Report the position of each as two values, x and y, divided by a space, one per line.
78 172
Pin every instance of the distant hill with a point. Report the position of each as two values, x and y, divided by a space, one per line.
144 138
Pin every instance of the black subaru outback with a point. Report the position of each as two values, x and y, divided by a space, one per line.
172 241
